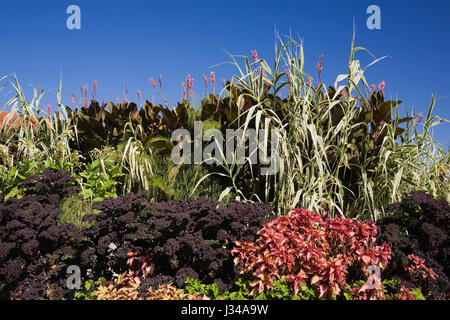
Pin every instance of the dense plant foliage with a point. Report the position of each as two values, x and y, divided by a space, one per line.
12 179
343 149
30 133
419 232
34 249
177 239
301 256
306 248
337 121
100 179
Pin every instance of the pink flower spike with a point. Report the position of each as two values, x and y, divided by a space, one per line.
382 85
205 80
319 68
153 82
213 78
49 109
187 91
95 85
309 81
320 64
286 71
139 95
86 89
73 99
254 56
224 83
86 102
372 88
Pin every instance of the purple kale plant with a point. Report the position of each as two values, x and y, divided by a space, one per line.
35 249
419 225
188 238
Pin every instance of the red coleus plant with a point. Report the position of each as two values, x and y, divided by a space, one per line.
417 269
306 248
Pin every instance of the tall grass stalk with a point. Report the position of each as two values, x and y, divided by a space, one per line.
311 158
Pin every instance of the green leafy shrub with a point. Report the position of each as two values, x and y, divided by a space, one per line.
392 290
242 289
11 180
419 229
87 292
99 180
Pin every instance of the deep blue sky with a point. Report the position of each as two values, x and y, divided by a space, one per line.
130 41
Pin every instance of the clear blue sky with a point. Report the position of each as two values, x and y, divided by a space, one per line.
130 41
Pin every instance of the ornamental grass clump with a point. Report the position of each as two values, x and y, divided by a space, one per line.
29 133
323 253
343 147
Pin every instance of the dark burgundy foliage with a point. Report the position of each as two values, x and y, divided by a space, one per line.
35 250
189 238
419 225
185 238
51 186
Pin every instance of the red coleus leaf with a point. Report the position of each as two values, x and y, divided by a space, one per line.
306 246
